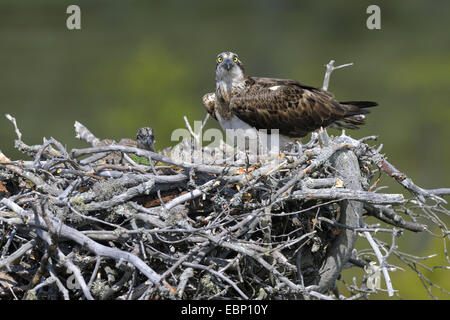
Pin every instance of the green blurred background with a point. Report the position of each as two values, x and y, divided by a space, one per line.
148 63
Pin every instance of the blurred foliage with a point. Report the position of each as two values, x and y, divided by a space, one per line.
144 79
148 63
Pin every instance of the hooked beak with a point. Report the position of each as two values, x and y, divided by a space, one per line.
227 64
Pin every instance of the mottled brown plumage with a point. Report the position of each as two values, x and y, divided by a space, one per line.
269 103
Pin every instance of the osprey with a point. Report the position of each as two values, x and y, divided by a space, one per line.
256 105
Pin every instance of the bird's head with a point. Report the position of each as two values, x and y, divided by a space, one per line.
145 138
229 68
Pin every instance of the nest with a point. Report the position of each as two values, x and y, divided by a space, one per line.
114 221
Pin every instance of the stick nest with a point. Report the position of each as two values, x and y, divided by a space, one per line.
113 221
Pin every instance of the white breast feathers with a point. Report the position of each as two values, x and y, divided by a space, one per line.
248 138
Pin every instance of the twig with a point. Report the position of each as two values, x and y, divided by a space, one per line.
381 261
16 129
330 68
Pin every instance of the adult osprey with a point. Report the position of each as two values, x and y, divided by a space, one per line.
295 109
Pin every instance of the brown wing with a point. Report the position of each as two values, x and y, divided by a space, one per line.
293 108
209 101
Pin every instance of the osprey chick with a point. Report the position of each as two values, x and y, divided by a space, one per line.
295 109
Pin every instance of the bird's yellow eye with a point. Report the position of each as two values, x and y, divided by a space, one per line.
219 59
235 59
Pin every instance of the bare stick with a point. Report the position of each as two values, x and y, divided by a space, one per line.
330 68
13 120
381 261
